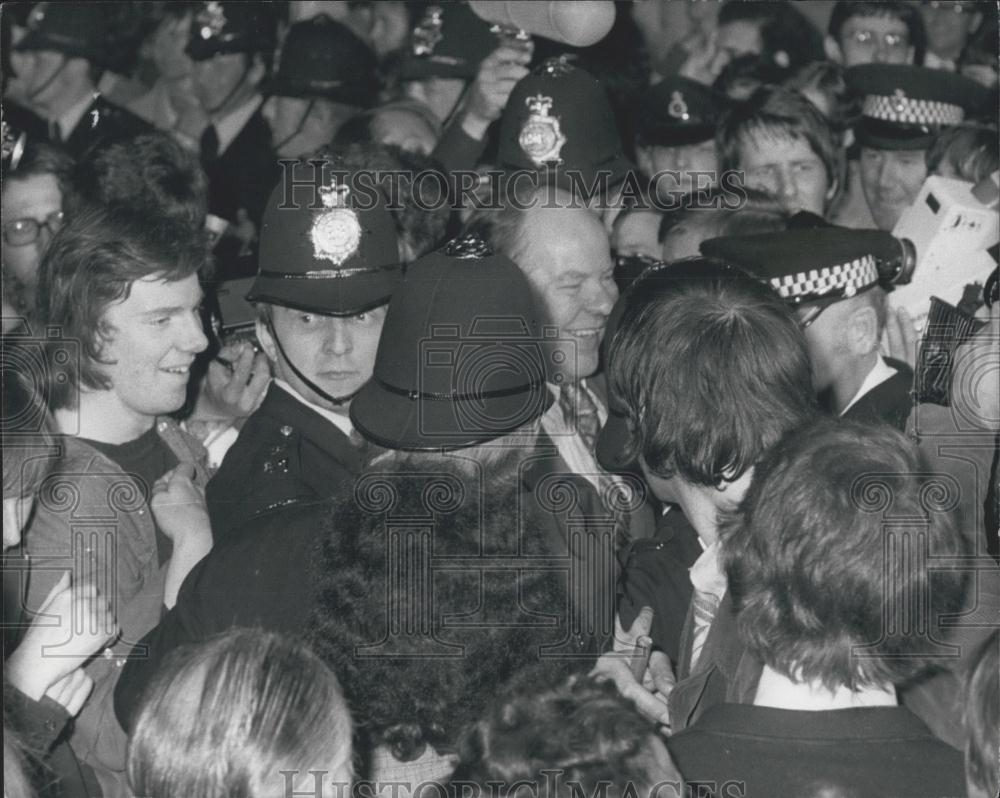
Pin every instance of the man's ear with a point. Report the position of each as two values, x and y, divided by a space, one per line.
266 340
862 330
832 50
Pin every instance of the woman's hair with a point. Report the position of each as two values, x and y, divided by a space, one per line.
970 150
92 263
982 718
28 430
561 738
418 664
248 713
818 557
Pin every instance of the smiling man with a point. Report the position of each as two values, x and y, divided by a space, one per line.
903 109
120 299
328 266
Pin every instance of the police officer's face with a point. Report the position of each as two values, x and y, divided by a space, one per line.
224 82
787 169
891 180
337 353
567 260
39 74
637 233
680 170
878 40
154 336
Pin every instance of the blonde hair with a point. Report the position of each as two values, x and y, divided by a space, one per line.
248 713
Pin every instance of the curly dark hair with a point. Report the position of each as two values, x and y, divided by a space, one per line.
563 737
416 669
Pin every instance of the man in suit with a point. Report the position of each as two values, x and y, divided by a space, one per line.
829 276
64 52
320 297
232 45
564 251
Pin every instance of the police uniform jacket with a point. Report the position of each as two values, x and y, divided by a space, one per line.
103 124
244 174
285 452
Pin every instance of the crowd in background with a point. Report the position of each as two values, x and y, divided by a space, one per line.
397 400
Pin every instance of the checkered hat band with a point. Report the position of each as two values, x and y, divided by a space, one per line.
847 278
908 111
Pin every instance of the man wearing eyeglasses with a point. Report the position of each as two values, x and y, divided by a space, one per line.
32 201
829 276
875 32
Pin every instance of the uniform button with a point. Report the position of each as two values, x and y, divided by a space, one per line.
161 426
50 725
286 430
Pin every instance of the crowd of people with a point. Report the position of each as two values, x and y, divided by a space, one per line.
395 400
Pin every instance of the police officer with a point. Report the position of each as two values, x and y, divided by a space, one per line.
232 45
325 75
903 109
559 121
675 136
328 265
65 47
829 276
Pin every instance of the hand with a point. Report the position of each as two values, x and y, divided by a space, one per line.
233 392
54 645
975 382
178 506
649 697
498 74
901 336
71 691
705 61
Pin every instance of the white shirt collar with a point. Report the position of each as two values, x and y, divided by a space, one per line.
229 126
342 422
72 116
880 372
706 573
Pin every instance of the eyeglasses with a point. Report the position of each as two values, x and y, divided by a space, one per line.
21 232
953 7
809 315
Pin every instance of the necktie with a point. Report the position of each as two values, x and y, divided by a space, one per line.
55 131
704 606
580 411
209 145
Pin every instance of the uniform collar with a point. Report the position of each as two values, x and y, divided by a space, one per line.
71 117
231 125
880 372
341 422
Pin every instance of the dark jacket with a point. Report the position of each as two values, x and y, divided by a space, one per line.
244 174
261 577
890 401
656 574
40 727
592 530
778 753
285 452
104 123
